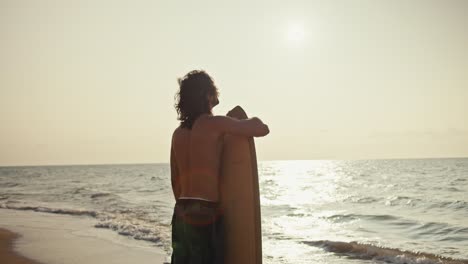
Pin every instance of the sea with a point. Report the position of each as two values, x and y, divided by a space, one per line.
313 211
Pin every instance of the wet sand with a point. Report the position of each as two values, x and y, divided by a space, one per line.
7 253
34 237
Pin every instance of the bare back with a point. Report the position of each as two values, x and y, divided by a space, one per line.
197 156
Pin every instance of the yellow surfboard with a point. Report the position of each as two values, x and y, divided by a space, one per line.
240 198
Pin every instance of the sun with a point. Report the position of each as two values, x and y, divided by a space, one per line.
295 33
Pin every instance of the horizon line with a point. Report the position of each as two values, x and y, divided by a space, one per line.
156 163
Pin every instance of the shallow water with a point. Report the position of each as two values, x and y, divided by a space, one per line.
368 211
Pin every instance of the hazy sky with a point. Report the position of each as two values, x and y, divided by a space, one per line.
94 81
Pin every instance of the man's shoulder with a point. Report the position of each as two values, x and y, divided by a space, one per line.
176 132
211 122
214 119
206 121
180 134
179 130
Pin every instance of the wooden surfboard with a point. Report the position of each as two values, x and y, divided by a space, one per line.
240 198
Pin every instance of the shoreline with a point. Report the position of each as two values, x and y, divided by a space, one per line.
7 252
48 238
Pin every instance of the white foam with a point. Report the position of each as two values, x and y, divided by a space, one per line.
64 239
139 229
39 208
126 224
391 255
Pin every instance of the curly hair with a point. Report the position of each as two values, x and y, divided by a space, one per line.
192 98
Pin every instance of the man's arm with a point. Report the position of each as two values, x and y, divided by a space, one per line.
174 176
252 127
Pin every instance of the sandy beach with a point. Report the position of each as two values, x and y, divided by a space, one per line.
33 237
7 254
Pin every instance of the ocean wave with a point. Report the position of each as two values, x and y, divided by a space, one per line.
98 195
377 253
402 201
456 205
460 180
441 229
453 189
9 184
299 214
137 229
49 210
340 218
416 229
362 200
79 190
124 222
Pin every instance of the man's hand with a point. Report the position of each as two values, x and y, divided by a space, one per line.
261 129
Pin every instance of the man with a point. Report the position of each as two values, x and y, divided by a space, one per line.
197 229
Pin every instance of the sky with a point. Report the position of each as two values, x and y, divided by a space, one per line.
93 82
